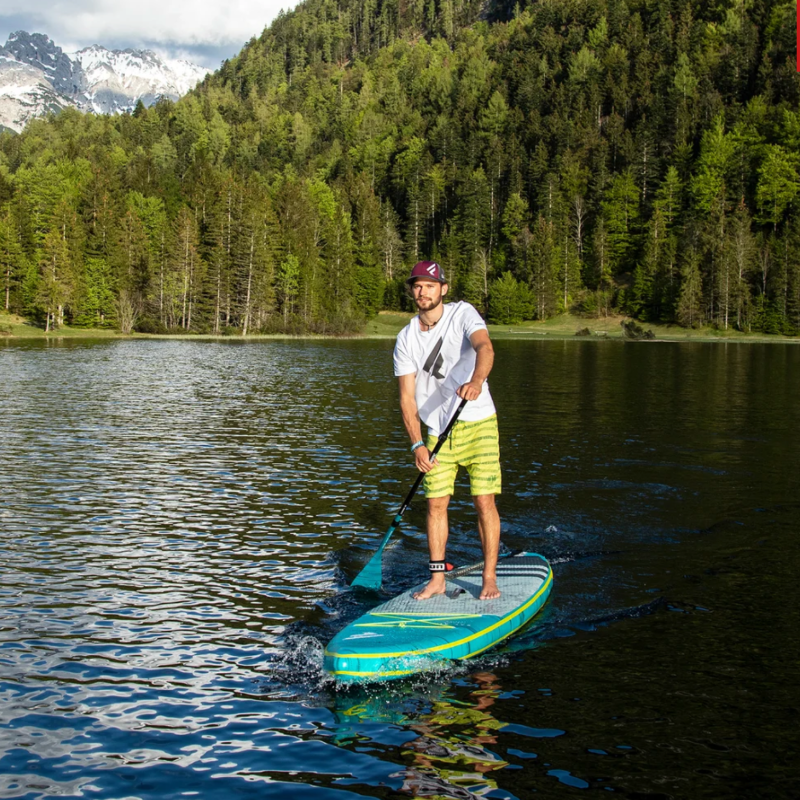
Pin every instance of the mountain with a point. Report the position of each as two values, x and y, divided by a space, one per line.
25 93
37 77
117 79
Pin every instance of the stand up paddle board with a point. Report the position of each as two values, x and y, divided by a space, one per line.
404 635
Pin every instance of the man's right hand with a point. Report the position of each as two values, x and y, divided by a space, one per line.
422 457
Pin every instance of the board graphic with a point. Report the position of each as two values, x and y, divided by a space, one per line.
404 635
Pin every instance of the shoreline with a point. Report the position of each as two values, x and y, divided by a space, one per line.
387 324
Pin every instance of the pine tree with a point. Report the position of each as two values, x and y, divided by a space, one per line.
620 216
509 301
11 258
544 265
690 301
740 260
778 185
185 271
55 286
98 305
288 286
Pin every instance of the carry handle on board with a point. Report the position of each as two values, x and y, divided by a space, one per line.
371 576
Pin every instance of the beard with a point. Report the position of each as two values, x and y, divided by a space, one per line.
424 304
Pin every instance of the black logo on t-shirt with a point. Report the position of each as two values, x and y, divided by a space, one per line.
435 361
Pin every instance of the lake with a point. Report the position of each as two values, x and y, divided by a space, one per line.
181 520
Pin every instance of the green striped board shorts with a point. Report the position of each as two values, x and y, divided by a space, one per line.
473 445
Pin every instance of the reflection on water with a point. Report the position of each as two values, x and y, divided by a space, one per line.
456 764
179 522
451 755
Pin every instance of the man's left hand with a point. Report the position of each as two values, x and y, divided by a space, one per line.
471 390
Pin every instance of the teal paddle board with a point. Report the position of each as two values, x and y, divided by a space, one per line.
404 635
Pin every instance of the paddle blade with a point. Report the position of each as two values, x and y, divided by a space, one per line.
371 576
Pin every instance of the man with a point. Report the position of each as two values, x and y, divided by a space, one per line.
442 355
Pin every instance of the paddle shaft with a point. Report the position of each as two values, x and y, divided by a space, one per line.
370 575
442 439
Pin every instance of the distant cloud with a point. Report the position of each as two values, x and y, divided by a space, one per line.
200 30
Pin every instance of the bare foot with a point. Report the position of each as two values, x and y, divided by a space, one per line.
435 585
490 590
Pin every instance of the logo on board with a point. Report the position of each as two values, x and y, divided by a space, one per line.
411 620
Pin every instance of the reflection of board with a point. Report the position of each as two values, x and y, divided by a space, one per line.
405 635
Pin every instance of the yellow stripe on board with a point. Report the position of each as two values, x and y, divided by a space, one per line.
450 645
440 615
367 674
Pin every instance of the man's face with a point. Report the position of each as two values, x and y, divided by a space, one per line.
427 294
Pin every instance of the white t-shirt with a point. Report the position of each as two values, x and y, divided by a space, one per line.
443 359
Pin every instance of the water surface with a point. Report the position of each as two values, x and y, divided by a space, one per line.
180 522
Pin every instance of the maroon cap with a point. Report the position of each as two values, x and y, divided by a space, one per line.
427 269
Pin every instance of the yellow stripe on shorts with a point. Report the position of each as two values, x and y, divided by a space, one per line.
474 446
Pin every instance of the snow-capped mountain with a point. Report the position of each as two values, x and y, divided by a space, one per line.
117 79
37 76
40 52
25 93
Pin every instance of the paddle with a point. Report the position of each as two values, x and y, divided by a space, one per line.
371 576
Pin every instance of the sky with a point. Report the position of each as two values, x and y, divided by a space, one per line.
201 31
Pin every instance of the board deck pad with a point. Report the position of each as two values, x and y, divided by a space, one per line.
404 635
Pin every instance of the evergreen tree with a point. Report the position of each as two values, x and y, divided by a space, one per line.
620 215
185 272
55 284
544 268
288 286
98 303
778 185
740 260
11 257
690 301
509 301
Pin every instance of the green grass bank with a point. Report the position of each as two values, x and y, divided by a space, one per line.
388 323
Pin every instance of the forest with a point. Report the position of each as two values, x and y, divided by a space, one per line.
612 156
